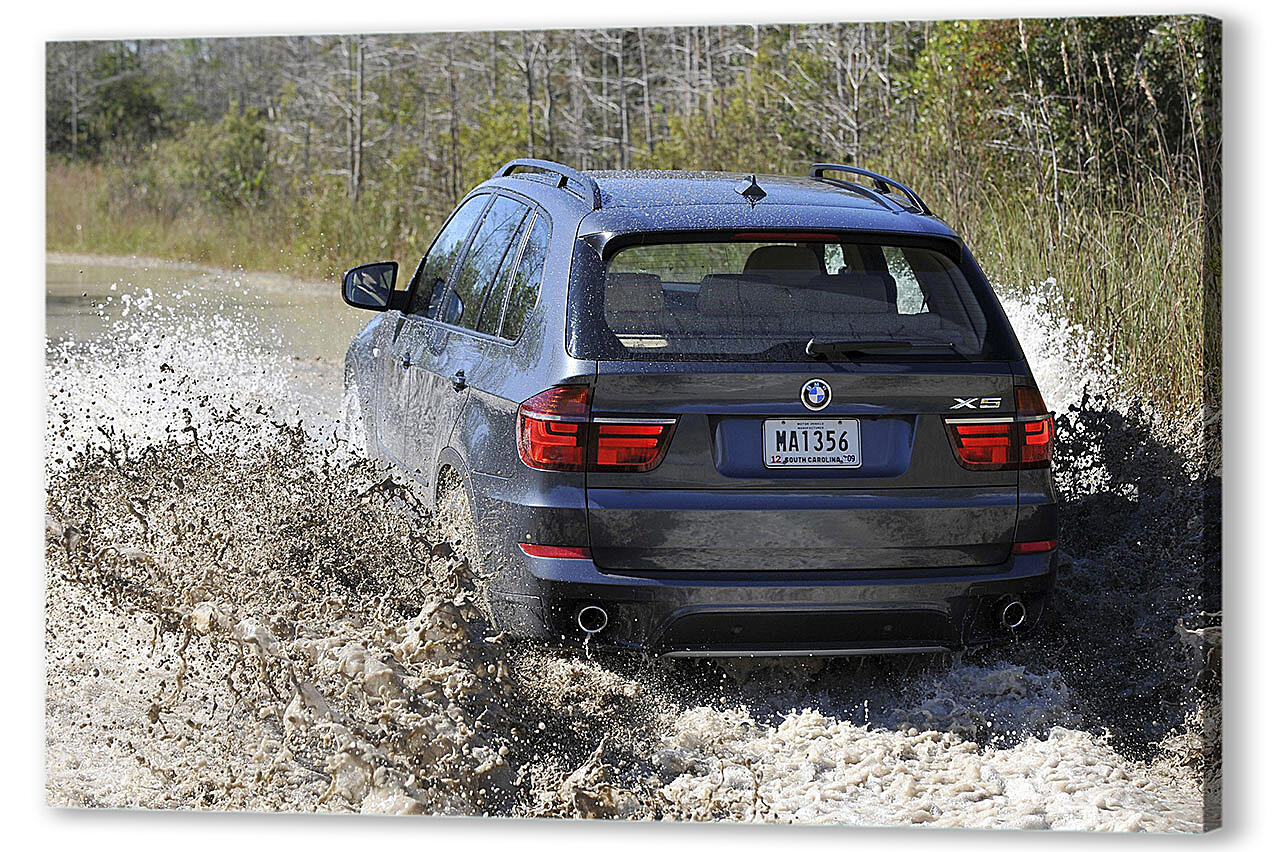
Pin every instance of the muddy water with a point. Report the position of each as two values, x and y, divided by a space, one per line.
304 322
241 615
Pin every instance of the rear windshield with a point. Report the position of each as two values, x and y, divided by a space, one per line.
786 301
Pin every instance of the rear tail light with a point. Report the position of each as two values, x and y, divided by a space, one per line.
1037 442
983 445
629 445
1005 443
555 431
551 432
1030 403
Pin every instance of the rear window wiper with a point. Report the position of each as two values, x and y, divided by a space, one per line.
815 348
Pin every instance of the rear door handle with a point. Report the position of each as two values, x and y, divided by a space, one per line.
458 380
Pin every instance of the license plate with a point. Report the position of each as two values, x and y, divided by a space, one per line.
812 443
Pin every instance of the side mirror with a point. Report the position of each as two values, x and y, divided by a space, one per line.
370 286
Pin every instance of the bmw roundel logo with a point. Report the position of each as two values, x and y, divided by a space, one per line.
815 394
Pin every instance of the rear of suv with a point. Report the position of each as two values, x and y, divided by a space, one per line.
717 414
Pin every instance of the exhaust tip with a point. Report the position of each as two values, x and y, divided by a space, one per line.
1013 615
592 619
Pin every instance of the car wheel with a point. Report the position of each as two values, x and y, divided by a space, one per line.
459 568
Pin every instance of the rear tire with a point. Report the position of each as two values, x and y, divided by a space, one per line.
460 571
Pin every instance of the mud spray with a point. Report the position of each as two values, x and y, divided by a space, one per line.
241 614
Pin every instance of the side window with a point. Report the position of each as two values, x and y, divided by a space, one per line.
833 258
485 258
491 311
910 294
527 280
439 259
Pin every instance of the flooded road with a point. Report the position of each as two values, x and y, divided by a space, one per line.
308 317
88 298
241 615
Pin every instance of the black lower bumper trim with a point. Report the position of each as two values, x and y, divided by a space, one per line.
805 629
809 652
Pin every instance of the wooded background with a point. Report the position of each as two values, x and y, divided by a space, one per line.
1082 149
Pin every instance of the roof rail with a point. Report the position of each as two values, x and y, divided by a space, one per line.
591 189
864 191
882 183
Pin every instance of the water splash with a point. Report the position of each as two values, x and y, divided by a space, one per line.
1064 356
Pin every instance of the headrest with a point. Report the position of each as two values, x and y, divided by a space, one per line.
876 286
742 294
633 291
779 258
845 294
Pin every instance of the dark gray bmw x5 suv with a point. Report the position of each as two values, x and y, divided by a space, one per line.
715 414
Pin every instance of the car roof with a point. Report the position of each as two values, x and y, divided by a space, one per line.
653 188
651 200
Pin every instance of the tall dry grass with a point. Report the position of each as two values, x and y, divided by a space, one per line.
85 211
1131 276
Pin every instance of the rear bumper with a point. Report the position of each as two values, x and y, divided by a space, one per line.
777 612
772 609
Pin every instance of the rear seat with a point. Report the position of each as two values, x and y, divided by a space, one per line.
634 303
873 286
845 305
750 306
729 305
632 300
830 304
